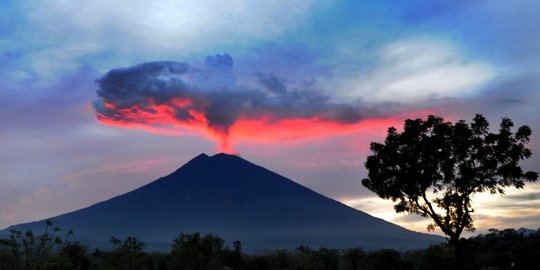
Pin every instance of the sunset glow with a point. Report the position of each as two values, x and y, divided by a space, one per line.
299 87
161 119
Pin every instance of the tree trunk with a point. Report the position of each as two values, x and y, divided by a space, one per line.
458 252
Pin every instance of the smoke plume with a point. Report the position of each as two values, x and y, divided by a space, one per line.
164 95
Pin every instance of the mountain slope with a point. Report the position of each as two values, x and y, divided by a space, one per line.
236 200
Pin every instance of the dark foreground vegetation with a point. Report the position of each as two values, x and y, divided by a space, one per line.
506 249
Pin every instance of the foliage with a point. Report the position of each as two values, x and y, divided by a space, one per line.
351 259
127 254
434 167
441 256
386 259
191 251
495 250
45 251
505 249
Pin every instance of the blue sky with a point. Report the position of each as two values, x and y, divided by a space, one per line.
383 59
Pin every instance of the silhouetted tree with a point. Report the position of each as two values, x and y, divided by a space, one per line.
505 249
261 262
384 259
304 258
45 251
329 258
433 168
352 258
127 254
234 258
193 252
74 256
281 259
438 257
499 249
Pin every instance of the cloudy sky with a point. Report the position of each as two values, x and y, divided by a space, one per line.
101 97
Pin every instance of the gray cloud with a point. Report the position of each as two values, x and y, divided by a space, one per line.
528 196
272 83
132 95
513 205
410 218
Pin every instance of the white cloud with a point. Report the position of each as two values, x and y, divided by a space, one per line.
171 24
419 69
518 208
107 34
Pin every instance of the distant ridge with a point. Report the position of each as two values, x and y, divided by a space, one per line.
236 200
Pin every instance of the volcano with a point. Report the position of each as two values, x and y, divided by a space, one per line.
236 200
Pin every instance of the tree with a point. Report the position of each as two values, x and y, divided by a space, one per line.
352 258
128 254
191 251
384 259
43 251
434 167
234 258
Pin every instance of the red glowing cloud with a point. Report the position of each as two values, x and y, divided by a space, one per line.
179 98
266 129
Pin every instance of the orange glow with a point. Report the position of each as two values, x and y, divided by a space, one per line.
182 103
267 129
294 129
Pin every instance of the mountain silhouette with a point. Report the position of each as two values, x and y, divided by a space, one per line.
236 200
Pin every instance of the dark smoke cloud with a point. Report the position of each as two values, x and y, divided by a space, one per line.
213 91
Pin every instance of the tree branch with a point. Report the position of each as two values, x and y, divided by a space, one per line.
431 212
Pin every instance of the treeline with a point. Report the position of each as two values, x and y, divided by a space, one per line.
506 249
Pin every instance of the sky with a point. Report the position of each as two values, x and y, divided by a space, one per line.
101 97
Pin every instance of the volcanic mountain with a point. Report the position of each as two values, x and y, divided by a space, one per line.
236 200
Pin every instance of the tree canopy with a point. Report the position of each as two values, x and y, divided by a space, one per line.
434 167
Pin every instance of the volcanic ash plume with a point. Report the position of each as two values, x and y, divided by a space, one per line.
174 97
